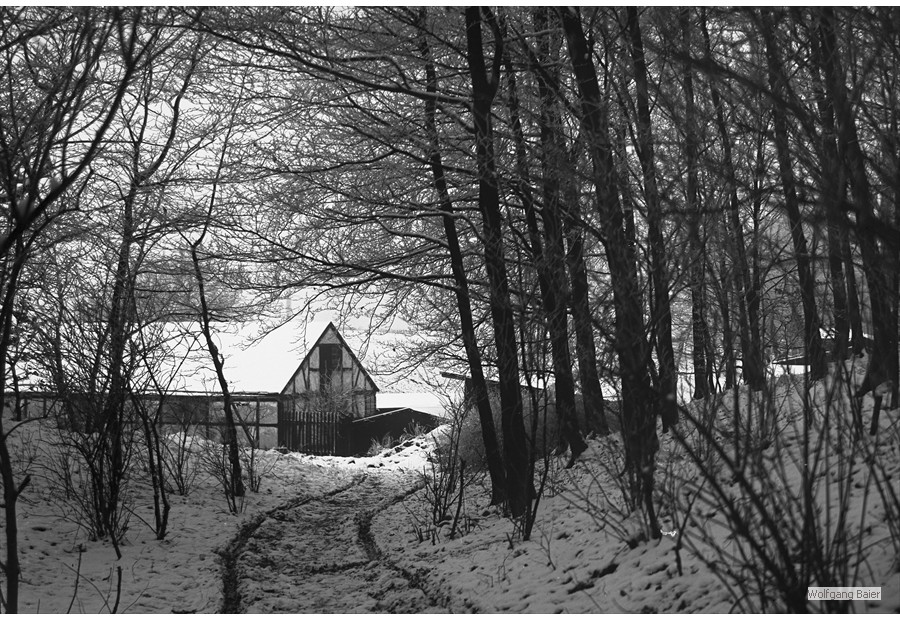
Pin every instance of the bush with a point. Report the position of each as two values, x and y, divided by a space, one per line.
377 446
444 481
256 465
770 508
213 459
179 459
599 487
79 487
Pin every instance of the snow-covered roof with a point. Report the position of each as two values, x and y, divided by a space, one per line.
256 361
259 358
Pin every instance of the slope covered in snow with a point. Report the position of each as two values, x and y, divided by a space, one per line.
585 554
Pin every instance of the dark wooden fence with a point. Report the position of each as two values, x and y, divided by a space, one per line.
313 432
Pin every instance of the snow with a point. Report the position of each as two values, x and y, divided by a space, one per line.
579 561
301 551
181 573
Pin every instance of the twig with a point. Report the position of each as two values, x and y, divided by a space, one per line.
462 486
77 579
118 588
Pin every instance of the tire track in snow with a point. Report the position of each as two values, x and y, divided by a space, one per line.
231 596
317 555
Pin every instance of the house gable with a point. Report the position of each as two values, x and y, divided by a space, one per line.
330 359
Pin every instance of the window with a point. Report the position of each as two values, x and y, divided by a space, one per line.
330 357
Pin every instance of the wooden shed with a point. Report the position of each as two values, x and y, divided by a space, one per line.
387 426
325 394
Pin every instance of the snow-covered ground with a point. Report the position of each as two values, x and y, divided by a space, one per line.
62 569
577 560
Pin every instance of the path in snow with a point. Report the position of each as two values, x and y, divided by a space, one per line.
316 555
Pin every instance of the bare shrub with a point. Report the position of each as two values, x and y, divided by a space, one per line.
179 459
257 465
183 421
413 430
598 486
445 480
214 459
772 514
377 446
76 487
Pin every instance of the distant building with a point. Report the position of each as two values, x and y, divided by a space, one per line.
329 405
328 391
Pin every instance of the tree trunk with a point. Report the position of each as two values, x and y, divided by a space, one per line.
463 301
754 295
637 396
751 351
699 327
833 194
120 321
548 255
854 311
883 362
484 88
579 302
573 230
724 294
231 441
812 336
661 314
11 489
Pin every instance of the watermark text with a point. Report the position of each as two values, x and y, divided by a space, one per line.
843 594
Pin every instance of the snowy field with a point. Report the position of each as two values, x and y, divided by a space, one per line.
582 556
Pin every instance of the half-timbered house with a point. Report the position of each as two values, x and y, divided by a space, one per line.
329 403
327 392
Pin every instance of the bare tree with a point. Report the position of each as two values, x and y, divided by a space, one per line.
812 335
66 73
484 89
493 455
638 413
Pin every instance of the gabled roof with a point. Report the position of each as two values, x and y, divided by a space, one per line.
343 344
258 356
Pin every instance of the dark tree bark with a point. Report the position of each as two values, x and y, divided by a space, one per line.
754 295
548 256
699 328
661 313
638 400
11 488
463 300
556 164
883 362
484 89
811 324
854 311
723 292
120 321
748 319
833 196
122 310
236 480
579 302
